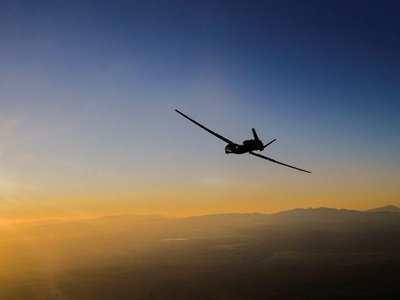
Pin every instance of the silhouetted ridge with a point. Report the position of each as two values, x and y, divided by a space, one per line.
322 214
387 208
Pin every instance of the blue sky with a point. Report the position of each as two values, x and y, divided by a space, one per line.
88 91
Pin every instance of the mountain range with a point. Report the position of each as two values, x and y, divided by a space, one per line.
312 253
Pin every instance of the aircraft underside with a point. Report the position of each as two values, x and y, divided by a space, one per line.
238 149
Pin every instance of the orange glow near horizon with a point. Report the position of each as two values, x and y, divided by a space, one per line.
194 202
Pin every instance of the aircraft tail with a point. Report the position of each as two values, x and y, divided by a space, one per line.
255 134
266 145
257 139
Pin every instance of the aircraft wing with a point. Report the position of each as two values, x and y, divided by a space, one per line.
273 160
206 129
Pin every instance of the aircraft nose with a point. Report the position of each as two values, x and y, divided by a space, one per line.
228 149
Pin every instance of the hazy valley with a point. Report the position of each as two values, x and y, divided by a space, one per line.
298 254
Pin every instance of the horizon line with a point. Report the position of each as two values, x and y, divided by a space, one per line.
18 221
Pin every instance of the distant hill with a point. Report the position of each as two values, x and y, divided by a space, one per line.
230 221
319 215
387 208
301 215
387 214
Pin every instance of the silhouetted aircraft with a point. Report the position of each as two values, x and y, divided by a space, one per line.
248 146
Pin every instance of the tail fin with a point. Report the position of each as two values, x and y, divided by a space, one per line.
266 145
255 134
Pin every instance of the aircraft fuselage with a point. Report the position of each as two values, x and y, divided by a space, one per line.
248 145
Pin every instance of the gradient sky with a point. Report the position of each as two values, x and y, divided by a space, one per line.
88 91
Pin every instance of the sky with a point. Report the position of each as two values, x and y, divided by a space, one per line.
88 91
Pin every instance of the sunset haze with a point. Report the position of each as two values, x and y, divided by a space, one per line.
88 92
